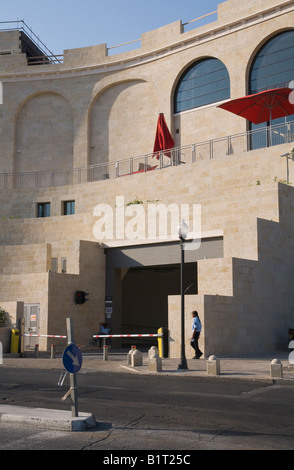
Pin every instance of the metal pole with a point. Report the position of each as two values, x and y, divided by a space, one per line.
72 377
21 327
183 363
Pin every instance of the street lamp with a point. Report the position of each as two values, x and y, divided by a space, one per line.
289 155
182 232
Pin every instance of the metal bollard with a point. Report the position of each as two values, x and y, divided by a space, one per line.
53 351
36 350
105 352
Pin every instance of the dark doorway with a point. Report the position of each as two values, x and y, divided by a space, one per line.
144 297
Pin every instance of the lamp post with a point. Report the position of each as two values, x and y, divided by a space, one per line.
289 156
182 232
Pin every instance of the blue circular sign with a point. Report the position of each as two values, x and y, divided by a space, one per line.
72 358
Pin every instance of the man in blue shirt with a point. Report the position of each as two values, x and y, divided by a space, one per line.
196 329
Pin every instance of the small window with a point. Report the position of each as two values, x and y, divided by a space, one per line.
43 209
68 207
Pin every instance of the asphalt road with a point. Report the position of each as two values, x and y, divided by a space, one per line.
155 412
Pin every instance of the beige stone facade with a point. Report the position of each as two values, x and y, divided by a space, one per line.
68 131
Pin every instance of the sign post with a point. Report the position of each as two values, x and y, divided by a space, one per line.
72 361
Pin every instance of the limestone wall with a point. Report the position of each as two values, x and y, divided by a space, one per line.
93 103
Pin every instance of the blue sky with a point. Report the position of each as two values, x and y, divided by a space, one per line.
67 24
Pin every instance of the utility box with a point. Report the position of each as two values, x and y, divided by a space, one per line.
14 340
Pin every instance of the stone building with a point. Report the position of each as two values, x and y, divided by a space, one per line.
79 185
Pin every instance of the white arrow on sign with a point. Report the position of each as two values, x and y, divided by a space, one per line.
74 359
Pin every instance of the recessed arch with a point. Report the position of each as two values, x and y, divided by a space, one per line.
44 133
116 109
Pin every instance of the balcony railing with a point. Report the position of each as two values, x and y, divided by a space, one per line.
193 153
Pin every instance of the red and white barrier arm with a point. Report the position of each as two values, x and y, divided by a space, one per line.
44 336
128 336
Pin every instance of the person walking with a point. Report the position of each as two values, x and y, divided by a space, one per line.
196 330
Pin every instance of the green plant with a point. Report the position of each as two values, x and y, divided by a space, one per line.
2 317
135 201
281 181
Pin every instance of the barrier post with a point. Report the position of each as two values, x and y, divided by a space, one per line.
21 325
105 352
53 351
160 342
36 350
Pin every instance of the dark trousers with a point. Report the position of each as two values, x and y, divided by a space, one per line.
195 345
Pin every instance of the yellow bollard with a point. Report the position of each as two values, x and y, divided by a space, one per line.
160 342
14 340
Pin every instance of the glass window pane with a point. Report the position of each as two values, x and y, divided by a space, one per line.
68 207
43 209
272 67
205 82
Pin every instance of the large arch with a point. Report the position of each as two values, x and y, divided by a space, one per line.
44 134
272 66
122 121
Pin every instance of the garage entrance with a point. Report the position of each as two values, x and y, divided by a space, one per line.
144 296
139 280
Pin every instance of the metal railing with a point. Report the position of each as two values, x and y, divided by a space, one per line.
192 153
20 25
45 59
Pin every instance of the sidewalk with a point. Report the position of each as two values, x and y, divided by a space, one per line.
248 368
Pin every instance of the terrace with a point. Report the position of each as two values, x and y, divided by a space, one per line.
187 154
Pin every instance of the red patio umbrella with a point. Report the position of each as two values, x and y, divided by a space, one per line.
263 106
163 138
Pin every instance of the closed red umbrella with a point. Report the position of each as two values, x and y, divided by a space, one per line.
263 106
163 138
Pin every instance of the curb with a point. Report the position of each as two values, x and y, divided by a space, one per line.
45 418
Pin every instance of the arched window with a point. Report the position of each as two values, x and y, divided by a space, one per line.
204 82
272 67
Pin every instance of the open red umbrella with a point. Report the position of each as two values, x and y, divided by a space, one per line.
263 106
163 138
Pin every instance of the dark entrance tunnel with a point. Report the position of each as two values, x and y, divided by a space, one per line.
144 297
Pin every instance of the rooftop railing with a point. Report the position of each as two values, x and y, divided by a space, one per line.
193 153
20 25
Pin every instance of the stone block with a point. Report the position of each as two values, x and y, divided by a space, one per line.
153 350
129 355
136 358
276 369
154 361
213 366
155 364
